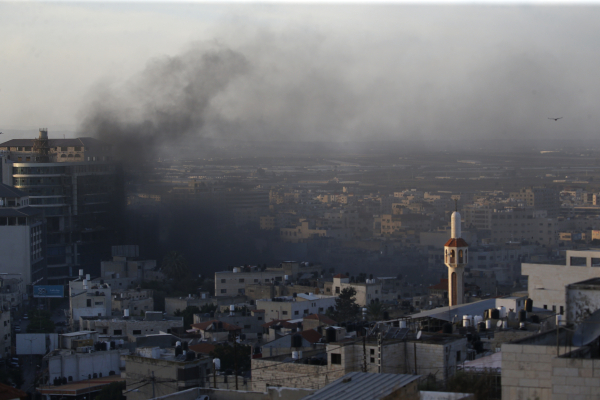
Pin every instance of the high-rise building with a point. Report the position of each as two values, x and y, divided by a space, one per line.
79 191
22 238
456 257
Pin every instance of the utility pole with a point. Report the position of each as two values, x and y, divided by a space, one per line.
365 353
235 359
380 352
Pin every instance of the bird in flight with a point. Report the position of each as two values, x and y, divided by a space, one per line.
556 119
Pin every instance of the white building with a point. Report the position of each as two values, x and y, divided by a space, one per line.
78 365
89 298
547 282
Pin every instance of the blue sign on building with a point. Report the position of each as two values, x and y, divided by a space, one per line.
48 291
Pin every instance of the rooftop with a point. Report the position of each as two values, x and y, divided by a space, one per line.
81 387
363 385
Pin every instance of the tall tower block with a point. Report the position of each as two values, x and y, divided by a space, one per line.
456 257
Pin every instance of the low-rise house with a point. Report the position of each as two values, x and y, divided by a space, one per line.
309 339
137 301
217 331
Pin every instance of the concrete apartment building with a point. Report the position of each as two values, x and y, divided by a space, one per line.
524 224
547 282
164 372
5 331
88 298
366 292
434 356
125 270
233 283
308 229
290 307
22 236
81 364
539 198
137 301
130 328
79 190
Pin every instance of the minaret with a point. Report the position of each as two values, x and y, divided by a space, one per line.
456 256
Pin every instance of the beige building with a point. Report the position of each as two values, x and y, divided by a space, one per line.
154 372
309 230
547 282
136 301
366 292
539 198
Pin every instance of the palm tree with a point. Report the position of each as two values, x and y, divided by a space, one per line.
175 266
375 310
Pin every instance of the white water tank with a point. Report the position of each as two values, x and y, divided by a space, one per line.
177 343
287 277
559 320
466 321
504 324
502 310
294 355
217 363
203 295
477 320
126 312
488 324
85 285
80 272
156 352
403 324
87 276
236 270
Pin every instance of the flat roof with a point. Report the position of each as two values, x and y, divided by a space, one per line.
447 313
363 385
81 387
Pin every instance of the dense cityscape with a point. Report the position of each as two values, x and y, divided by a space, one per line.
266 201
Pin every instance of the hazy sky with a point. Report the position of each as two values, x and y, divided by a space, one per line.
276 71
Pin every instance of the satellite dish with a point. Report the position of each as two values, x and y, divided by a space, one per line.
419 335
499 324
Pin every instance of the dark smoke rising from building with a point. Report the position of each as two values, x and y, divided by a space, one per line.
166 103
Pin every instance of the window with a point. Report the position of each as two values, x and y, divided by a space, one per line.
458 356
241 280
554 309
137 331
545 306
562 310
259 319
223 280
223 290
295 312
117 332
89 302
372 352
306 311
284 313
247 327
337 289
256 281
336 359
372 359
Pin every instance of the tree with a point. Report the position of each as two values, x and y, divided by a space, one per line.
112 391
208 308
230 356
175 266
346 308
375 310
188 315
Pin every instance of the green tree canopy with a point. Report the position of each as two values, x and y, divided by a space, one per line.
175 266
375 310
346 308
188 315
228 356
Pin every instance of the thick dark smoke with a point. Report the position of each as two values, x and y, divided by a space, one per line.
166 103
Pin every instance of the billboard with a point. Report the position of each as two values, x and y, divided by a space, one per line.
48 291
